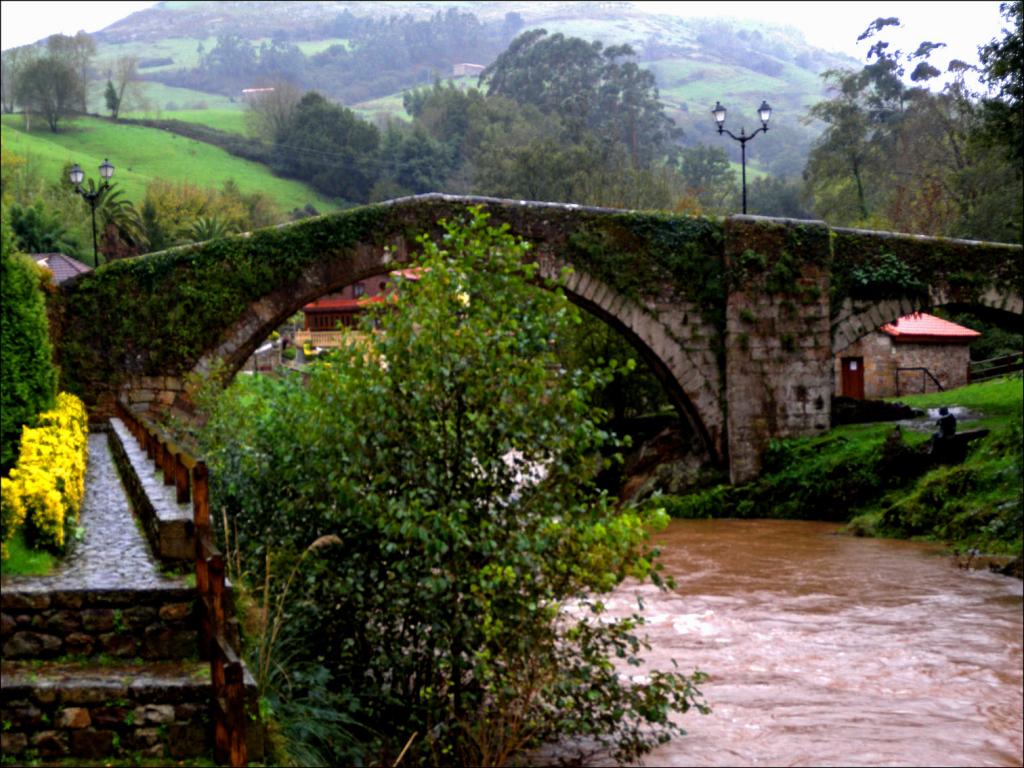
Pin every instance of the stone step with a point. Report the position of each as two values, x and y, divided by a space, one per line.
167 523
153 623
53 710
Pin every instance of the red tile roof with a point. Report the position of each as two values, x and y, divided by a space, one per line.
922 327
341 305
63 267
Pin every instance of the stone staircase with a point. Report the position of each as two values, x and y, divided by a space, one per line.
101 659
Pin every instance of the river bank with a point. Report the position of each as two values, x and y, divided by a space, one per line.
878 480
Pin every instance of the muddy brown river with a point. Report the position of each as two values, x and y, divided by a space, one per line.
833 650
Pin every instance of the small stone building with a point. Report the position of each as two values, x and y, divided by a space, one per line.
913 354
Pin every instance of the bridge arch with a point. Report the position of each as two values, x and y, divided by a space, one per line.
856 319
689 376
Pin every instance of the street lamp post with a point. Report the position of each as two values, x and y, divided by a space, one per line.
91 196
765 113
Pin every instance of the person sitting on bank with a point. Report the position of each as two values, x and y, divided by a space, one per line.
946 427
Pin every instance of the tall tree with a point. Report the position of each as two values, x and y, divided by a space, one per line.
1003 71
123 74
331 147
51 88
591 88
269 112
12 63
77 52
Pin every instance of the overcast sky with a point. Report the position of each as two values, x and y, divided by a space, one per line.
832 25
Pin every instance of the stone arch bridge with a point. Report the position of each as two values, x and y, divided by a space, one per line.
739 318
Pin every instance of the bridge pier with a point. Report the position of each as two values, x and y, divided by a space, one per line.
778 348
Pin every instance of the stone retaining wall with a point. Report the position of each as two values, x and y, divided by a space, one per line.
120 713
149 624
168 524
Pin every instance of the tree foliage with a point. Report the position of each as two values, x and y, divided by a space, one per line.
37 229
454 459
329 145
589 87
51 88
899 156
28 379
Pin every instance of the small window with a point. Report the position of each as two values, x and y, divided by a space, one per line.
358 290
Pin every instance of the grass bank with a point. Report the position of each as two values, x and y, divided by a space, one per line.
143 154
881 482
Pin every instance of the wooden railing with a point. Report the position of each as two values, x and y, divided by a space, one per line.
191 480
320 338
980 370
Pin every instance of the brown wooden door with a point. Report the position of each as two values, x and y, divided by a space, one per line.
853 377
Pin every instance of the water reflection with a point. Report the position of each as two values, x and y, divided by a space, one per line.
831 650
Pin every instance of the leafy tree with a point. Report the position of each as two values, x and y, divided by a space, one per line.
12 63
898 156
269 113
330 146
779 197
36 229
454 461
1003 71
28 380
77 53
588 87
112 101
708 176
125 71
51 88
122 230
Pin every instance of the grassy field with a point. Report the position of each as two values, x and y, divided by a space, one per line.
228 120
141 155
155 100
183 50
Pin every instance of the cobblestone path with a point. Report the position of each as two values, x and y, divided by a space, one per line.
113 553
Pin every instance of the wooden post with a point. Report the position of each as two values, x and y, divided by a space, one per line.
168 465
221 742
181 479
201 495
235 695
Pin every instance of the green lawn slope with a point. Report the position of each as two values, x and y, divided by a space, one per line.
142 155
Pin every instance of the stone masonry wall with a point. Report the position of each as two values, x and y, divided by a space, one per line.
155 624
879 365
124 713
948 362
778 347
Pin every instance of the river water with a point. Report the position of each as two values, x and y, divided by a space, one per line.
833 650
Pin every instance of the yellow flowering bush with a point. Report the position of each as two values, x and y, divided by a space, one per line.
47 485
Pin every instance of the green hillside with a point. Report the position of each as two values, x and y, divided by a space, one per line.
141 155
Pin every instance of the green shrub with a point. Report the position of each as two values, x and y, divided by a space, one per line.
461 604
28 380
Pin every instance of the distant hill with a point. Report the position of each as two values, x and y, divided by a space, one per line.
366 54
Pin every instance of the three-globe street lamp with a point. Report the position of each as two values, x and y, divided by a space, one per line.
765 113
91 195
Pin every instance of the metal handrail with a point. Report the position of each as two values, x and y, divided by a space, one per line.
924 372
